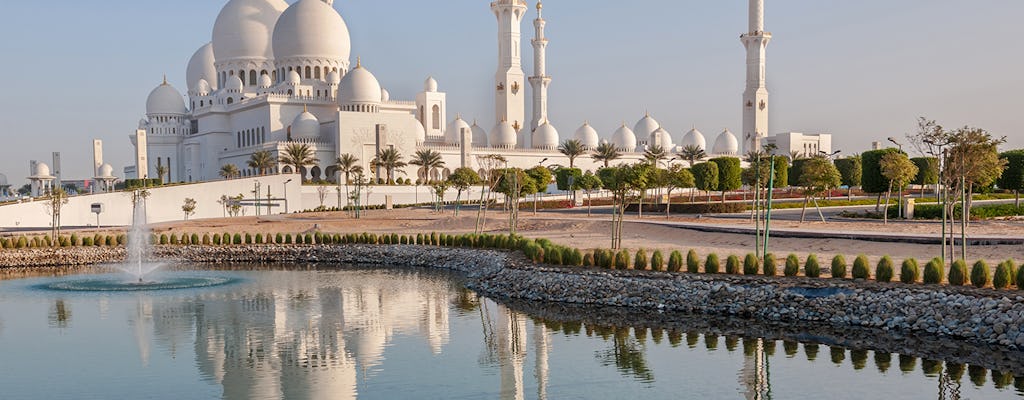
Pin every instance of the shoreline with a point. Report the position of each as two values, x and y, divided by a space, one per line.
891 315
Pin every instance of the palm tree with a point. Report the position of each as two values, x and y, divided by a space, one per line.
795 155
655 154
389 159
606 153
161 172
691 153
298 156
572 148
228 171
261 161
346 164
427 160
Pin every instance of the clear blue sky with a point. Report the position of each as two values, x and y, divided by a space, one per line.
861 70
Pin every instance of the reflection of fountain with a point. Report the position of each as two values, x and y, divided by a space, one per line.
138 240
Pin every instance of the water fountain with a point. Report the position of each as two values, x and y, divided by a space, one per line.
138 241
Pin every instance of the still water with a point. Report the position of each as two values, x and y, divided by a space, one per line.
353 332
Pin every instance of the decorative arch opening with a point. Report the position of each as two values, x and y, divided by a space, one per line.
309 73
436 116
252 78
316 72
231 100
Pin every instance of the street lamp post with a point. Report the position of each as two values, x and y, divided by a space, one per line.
284 194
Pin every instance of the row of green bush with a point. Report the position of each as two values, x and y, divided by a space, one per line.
988 211
74 240
693 208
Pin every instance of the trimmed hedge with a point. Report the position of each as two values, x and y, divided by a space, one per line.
958 273
1004 275
675 261
811 267
692 262
885 270
909 271
732 265
770 265
980 274
640 261
711 264
751 264
792 265
657 261
839 266
933 271
860 267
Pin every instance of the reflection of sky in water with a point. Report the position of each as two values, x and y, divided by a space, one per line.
407 334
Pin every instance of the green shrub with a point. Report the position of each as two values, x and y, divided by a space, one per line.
792 265
910 272
711 264
979 274
309 239
1018 273
48 241
394 238
933 271
75 241
259 238
884 270
1003 275
751 265
186 239
163 239
216 239
692 262
226 238
839 266
288 238
607 259
206 239
657 261
539 254
553 256
577 258
433 239
87 241
588 260
640 261
958 273
111 240
194 239
622 259
248 238
174 238
770 265
811 267
732 265
96 240
675 261
860 267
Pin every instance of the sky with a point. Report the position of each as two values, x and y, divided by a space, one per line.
861 70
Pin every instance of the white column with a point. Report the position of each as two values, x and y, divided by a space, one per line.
540 79
755 98
510 102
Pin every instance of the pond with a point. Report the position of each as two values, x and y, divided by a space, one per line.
349 332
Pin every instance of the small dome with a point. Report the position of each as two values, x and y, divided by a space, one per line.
385 96
359 87
265 81
311 29
305 126
243 29
726 144
200 66
660 137
694 138
333 78
645 126
479 136
202 88
293 78
42 170
430 85
234 84
451 135
106 171
587 135
165 99
624 139
545 137
420 132
503 135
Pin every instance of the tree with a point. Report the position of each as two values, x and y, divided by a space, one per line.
321 195
514 183
927 171
389 159
488 165
563 176
541 178
705 177
655 154
818 174
753 177
346 164
440 188
588 183
161 172
972 161
189 207
572 148
261 161
1013 177
426 160
872 180
899 170
605 153
616 180
675 177
228 171
850 170
56 199
298 156
692 153
729 174
462 179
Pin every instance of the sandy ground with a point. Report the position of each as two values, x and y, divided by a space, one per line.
576 230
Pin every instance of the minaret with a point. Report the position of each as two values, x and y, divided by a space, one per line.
510 103
540 79
755 98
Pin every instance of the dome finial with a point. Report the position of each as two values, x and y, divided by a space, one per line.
165 80
305 108
359 62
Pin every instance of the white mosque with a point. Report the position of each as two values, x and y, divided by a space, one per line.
275 74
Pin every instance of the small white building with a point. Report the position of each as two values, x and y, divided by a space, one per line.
804 144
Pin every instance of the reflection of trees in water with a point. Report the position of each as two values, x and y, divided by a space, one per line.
466 301
627 354
59 315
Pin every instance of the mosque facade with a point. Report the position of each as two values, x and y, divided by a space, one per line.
276 74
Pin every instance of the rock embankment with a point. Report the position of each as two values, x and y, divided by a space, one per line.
978 316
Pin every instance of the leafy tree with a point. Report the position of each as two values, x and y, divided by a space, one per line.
899 170
389 159
161 172
850 171
606 153
927 171
655 154
228 171
729 174
564 175
1013 177
346 164
622 181
261 161
588 183
692 153
973 161
816 177
462 179
781 171
488 164
705 176
515 184
189 207
298 156
56 199
675 177
427 160
572 148
872 180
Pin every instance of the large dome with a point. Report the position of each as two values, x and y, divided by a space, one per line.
200 66
243 29
587 135
479 136
453 133
311 29
694 138
645 126
305 126
359 87
165 99
726 144
545 137
503 136
624 139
